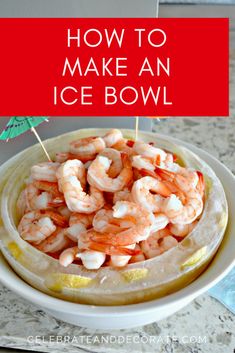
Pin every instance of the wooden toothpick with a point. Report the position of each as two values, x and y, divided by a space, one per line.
136 127
41 143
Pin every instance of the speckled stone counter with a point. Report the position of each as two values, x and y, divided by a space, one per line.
203 326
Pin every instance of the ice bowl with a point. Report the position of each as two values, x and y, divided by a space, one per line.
132 315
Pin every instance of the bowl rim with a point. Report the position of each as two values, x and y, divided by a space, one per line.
198 286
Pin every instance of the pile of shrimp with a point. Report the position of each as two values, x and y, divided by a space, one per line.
109 201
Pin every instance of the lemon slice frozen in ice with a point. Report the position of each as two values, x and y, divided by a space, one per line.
135 274
196 257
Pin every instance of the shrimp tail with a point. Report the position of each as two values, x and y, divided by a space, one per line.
112 239
164 174
126 160
58 219
201 183
113 250
146 172
48 186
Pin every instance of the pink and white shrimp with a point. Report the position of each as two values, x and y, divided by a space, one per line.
97 174
146 150
92 260
36 200
112 137
141 222
116 161
182 230
45 171
62 157
123 146
87 147
105 222
153 246
71 176
175 210
90 240
122 195
149 193
79 223
140 162
139 257
36 226
57 241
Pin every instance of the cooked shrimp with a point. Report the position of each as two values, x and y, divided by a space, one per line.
91 259
35 227
57 241
72 169
137 258
65 156
181 230
112 137
97 174
88 146
57 218
140 162
160 222
65 212
122 146
56 197
141 219
105 222
45 171
71 176
152 246
35 200
167 243
88 241
119 260
79 223
116 161
146 150
68 256
173 188
141 193
48 186
190 174
175 210
122 195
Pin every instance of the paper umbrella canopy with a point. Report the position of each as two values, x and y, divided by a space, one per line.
18 125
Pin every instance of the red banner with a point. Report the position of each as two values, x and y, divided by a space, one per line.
114 67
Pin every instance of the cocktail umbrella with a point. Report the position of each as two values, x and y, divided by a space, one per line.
17 125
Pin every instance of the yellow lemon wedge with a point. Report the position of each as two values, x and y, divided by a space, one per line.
196 257
135 274
64 280
14 250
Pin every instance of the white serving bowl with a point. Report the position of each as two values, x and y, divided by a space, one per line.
127 316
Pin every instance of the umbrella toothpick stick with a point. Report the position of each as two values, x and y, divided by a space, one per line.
136 127
41 143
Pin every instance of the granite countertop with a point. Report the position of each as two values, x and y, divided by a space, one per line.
203 326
